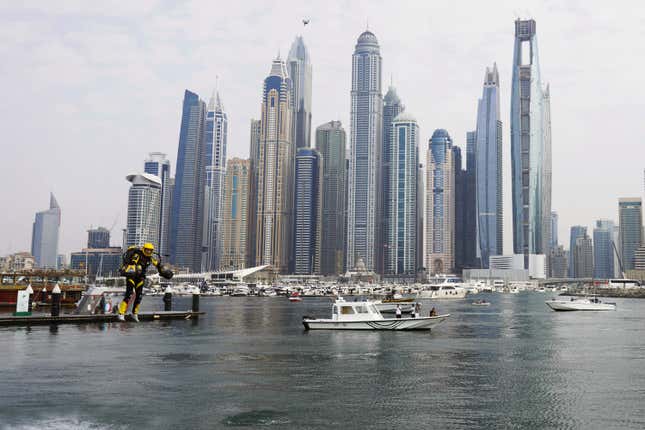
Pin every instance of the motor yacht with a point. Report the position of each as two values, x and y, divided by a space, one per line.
586 304
241 291
365 316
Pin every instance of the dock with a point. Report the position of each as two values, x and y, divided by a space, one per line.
9 320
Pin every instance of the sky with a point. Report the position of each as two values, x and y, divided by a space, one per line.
90 88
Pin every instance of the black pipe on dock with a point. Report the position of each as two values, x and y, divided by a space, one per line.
167 301
196 302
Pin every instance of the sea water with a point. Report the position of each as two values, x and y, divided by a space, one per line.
248 363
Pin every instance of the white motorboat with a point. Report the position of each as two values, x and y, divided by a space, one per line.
365 316
442 292
587 304
184 289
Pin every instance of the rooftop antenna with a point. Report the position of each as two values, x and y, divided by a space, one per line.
367 24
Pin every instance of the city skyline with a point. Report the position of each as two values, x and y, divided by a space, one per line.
392 38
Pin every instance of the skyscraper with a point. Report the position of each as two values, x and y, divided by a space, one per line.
98 238
554 230
403 156
144 210
530 147
254 150
157 164
299 65
392 107
577 231
330 143
308 211
631 229
364 197
234 214
488 150
469 248
603 250
216 133
440 204
187 217
461 201
44 238
583 253
274 229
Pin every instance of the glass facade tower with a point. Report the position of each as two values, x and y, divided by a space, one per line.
215 136
488 150
44 239
275 163
157 164
330 142
577 231
144 210
440 205
631 229
603 249
392 107
299 65
401 240
364 197
307 209
187 217
530 147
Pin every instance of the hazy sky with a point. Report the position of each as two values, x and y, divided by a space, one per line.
89 88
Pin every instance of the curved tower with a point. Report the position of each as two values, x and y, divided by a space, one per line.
364 200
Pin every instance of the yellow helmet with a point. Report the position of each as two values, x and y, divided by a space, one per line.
148 248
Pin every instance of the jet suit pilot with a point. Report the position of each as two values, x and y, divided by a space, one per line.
135 265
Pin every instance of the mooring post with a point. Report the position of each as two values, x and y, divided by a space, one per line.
196 302
56 301
167 299
43 296
30 291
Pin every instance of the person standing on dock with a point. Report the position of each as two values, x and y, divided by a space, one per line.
398 311
135 265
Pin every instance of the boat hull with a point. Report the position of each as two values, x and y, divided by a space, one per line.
564 306
421 323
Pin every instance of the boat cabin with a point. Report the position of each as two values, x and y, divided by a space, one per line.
354 311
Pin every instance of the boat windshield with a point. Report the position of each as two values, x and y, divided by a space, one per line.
347 310
361 309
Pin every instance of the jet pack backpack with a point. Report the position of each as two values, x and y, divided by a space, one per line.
132 258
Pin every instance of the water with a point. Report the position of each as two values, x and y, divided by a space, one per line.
249 364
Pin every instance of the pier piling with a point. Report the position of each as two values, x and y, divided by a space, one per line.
56 301
167 300
196 302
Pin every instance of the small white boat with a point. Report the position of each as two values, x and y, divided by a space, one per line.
590 304
365 316
480 303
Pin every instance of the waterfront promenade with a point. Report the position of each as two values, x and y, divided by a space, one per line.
248 363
